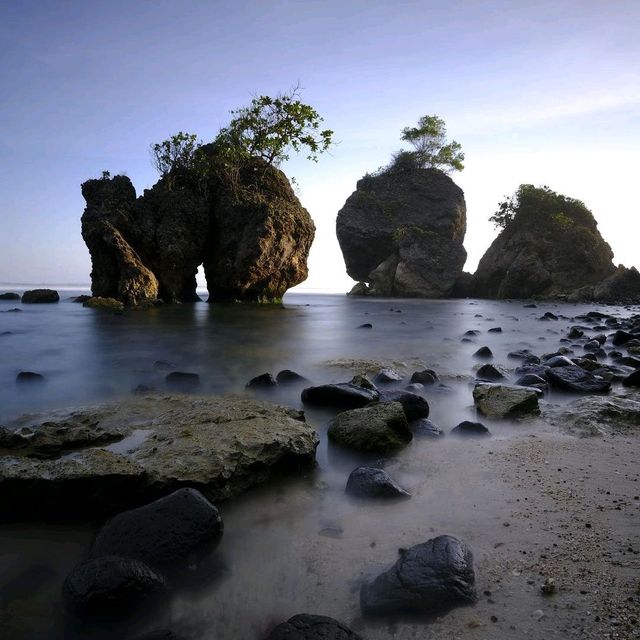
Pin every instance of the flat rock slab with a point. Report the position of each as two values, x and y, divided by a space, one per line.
429 578
597 415
309 627
506 401
219 445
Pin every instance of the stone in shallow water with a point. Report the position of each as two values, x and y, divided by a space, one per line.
164 533
183 381
380 428
470 429
415 406
491 372
632 380
427 376
483 353
386 376
111 585
29 377
424 428
429 578
287 376
343 395
263 381
371 482
310 627
40 296
575 378
506 401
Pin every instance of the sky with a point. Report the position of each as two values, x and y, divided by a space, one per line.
535 91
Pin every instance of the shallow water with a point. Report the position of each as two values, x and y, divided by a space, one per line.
294 545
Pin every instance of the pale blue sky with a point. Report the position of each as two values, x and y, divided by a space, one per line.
546 92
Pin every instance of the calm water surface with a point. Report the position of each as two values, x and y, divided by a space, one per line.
294 545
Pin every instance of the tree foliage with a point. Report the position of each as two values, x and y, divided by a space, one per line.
543 206
180 152
269 127
431 149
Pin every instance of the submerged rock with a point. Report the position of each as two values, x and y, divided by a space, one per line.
29 377
402 232
183 380
491 372
164 533
343 395
370 482
506 401
107 304
286 376
9 296
424 428
310 627
111 585
380 428
429 578
263 381
221 445
472 429
40 296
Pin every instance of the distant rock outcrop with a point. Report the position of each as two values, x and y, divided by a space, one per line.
623 287
551 247
246 225
401 232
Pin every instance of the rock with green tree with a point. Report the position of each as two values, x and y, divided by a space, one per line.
224 204
549 245
401 231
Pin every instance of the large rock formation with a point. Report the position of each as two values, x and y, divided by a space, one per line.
551 247
245 224
401 231
260 236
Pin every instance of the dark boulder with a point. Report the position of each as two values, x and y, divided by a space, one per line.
415 406
428 578
424 428
532 380
165 533
427 376
621 337
370 482
386 376
9 296
491 373
575 378
632 380
40 296
343 395
310 627
182 380
286 376
472 429
111 585
402 232
483 353
263 381
27 377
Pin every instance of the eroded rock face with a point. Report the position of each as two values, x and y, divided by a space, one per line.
111 457
402 232
551 247
247 227
260 236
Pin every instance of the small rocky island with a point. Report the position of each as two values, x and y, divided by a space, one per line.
246 226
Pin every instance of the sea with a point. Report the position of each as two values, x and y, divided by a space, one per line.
294 545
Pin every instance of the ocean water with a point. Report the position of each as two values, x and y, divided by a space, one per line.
294 545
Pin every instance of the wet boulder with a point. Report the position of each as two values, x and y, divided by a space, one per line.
380 428
387 376
342 395
632 380
263 381
415 406
506 401
286 376
491 373
310 627
470 429
106 304
164 533
9 296
429 578
111 584
532 380
29 377
370 482
427 376
424 428
575 378
40 296
483 353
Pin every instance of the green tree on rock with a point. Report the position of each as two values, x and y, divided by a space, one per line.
269 127
430 146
